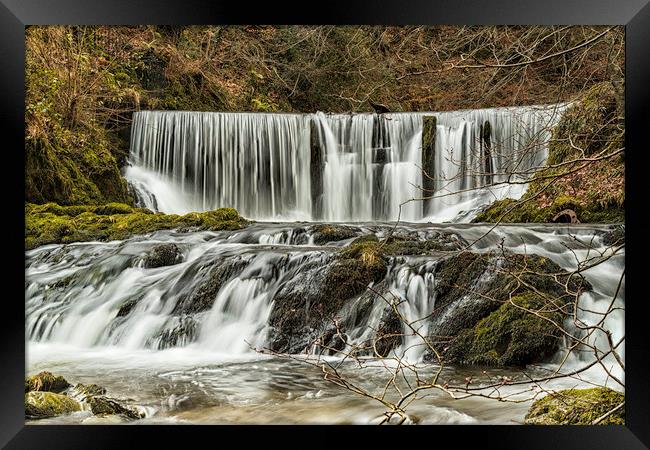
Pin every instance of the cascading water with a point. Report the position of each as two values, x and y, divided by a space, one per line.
336 167
186 332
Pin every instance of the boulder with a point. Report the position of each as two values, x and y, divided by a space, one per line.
104 406
332 233
46 381
487 311
39 405
163 255
595 406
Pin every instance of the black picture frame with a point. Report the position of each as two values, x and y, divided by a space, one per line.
16 14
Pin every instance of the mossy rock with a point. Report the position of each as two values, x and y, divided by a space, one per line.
578 407
474 321
163 255
325 233
306 304
46 381
521 331
54 224
104 406
39 405
413 245
203 295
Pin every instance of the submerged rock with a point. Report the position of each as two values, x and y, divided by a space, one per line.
83 392
39 405
46 381
332 233
579 407
102 406
163 255
202 297
615 237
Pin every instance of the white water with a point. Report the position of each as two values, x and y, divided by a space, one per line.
261 164
74 293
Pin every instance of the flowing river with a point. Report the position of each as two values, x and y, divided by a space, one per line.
96 314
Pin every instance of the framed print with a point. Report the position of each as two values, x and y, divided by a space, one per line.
299 221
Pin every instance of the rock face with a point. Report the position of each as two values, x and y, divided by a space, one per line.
163 255
45 381
39 405
579 407
305 305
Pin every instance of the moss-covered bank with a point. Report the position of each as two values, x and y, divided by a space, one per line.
585 170
54 224
579 407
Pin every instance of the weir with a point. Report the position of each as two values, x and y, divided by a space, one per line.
439 166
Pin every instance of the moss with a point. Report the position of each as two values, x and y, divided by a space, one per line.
51 223
596 191
578 407
46 381
102 406
357 265
511 336
69 170
331 233
409 245
163 255
48 404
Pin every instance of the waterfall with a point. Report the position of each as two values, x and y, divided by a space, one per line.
337 167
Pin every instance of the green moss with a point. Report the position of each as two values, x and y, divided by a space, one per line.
331 233
51 223
596 191
516 334
578 407
358 264
45 381
48 404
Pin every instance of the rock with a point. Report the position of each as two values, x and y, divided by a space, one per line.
412 244
510 336
126 307
163 255
389 333
183 333
83 392
104 406
39 405
332 233
202 297
615 237
46 381
578 407
473 322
